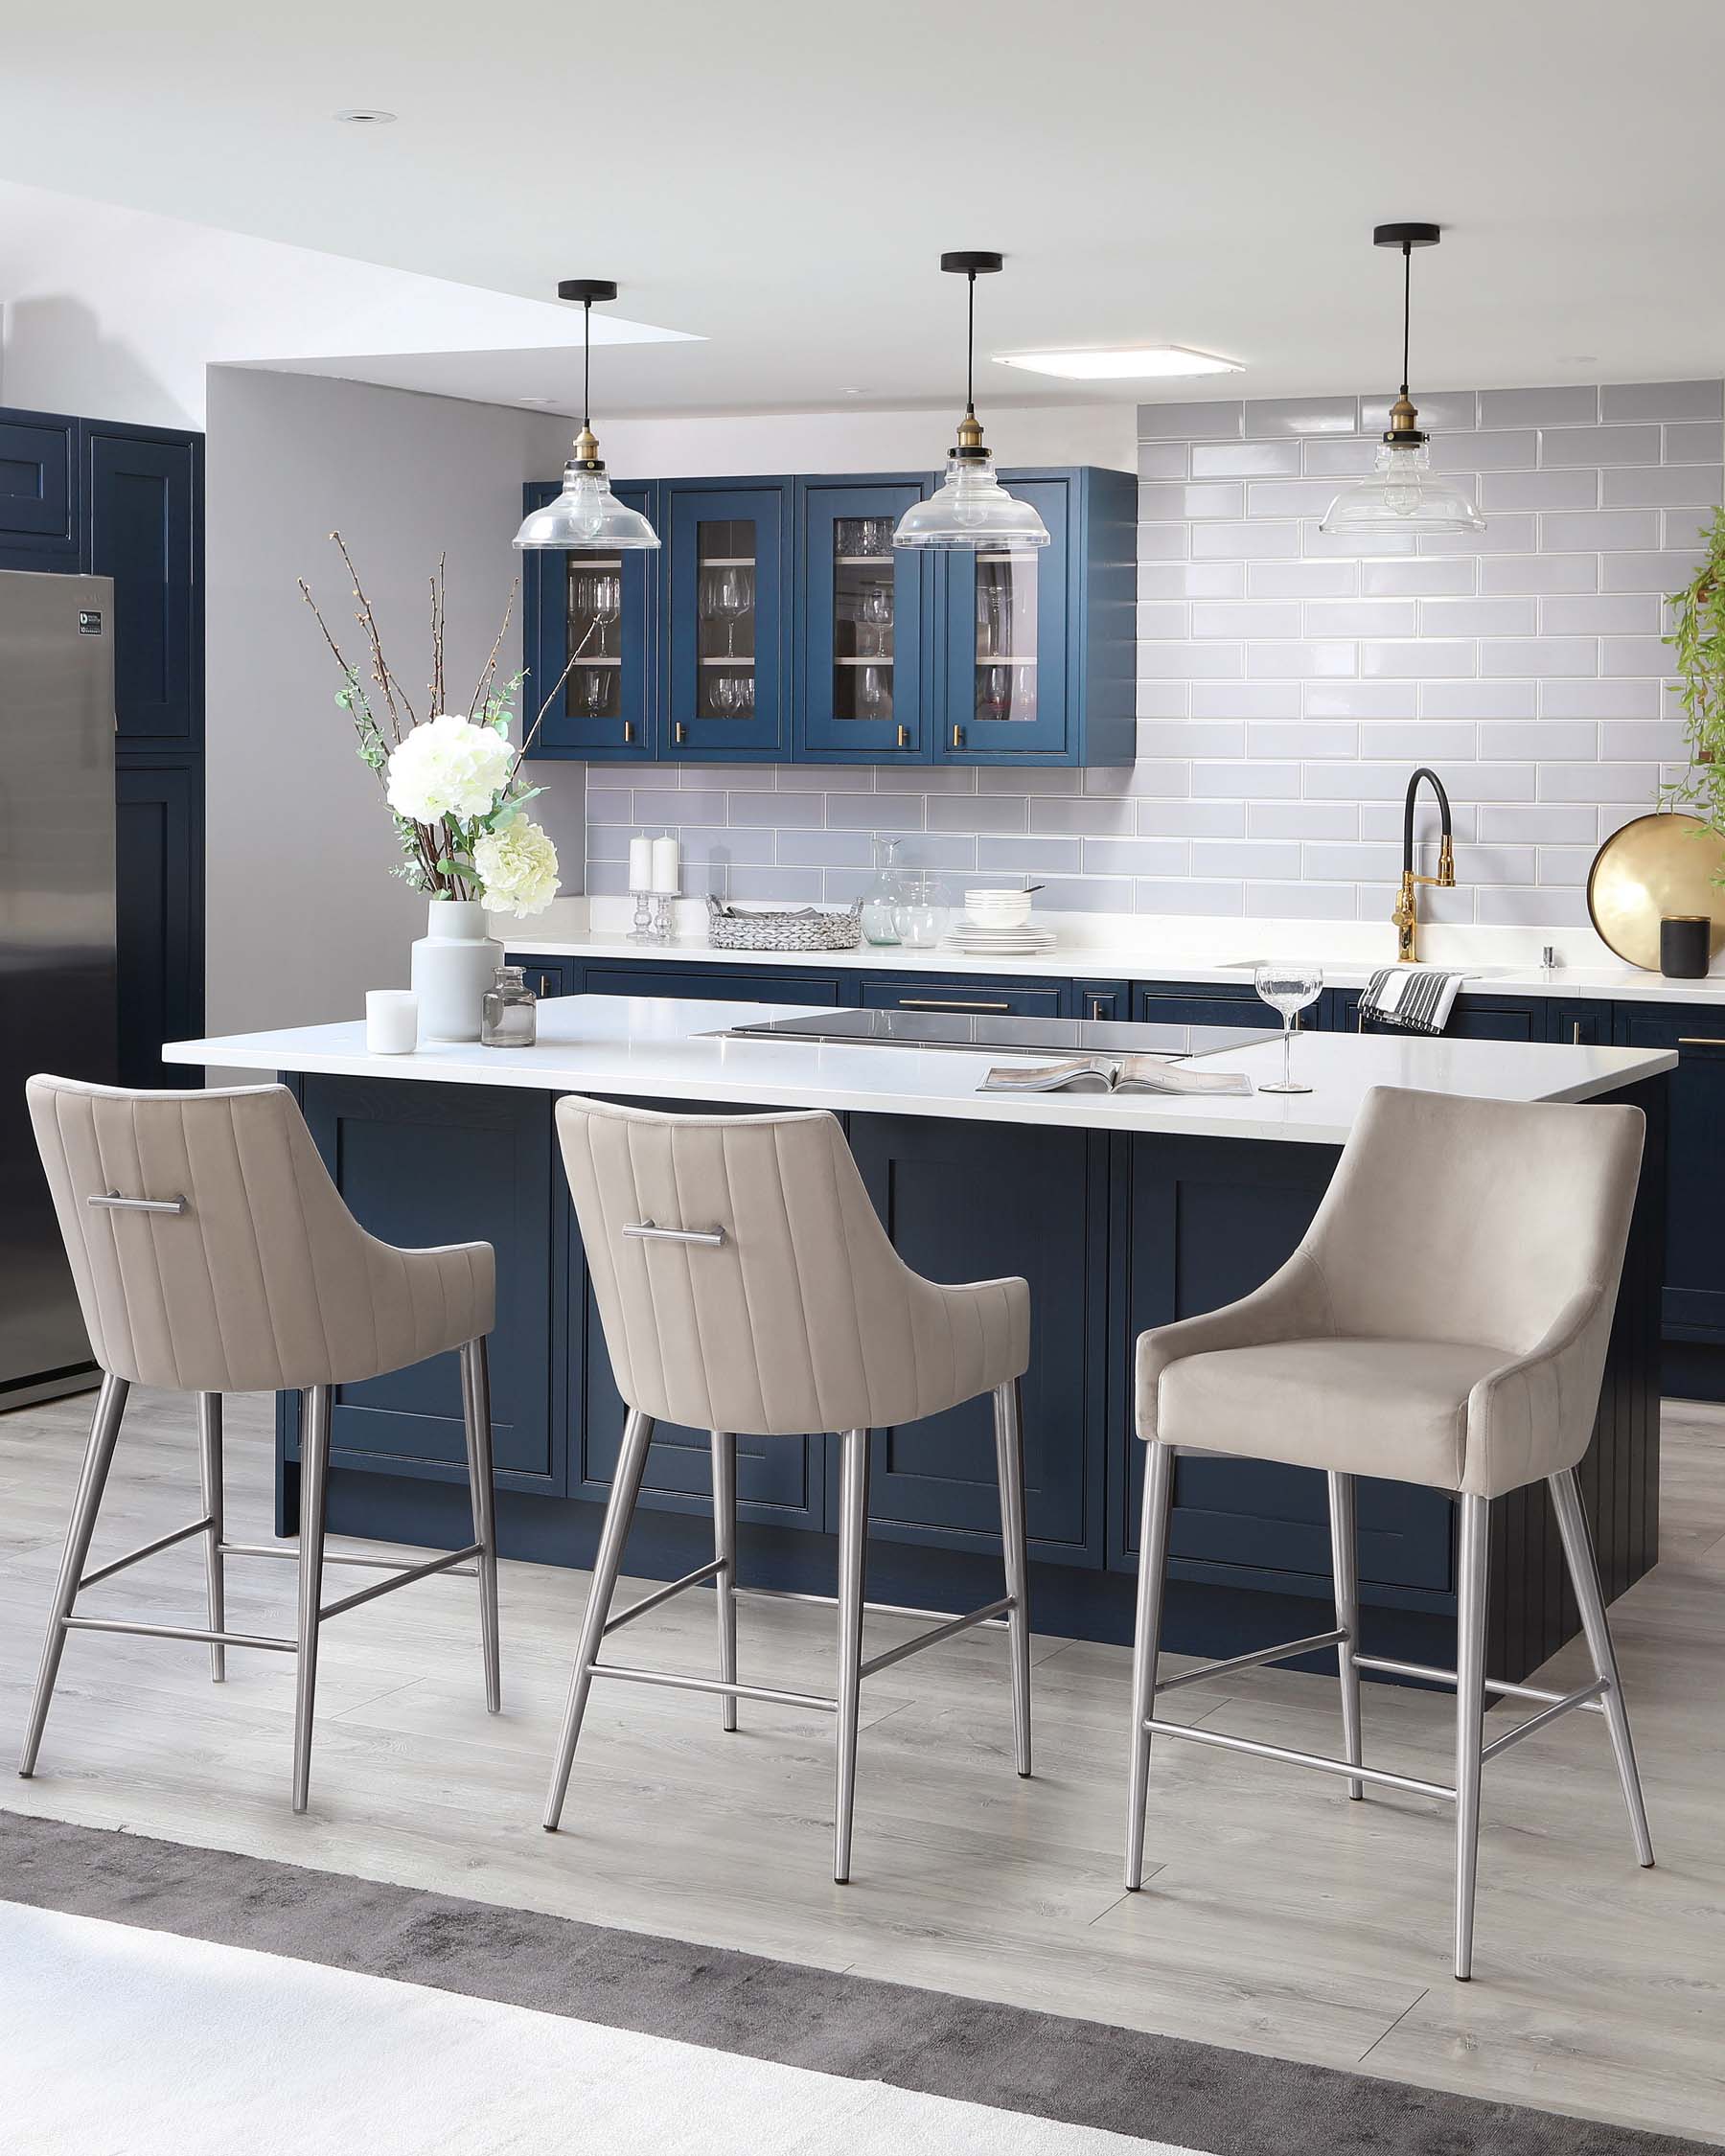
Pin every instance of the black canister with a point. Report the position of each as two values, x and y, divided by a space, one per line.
1684 940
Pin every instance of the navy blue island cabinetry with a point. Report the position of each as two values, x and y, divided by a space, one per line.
777 623
1115 1230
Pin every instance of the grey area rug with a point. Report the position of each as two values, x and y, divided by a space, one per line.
1161 2088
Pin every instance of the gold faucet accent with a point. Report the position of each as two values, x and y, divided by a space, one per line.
1406 917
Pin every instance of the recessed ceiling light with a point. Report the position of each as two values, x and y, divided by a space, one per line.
366 116
1127 363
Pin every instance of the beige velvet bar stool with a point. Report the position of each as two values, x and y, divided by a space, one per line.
1444 1322
212 1253
746 1286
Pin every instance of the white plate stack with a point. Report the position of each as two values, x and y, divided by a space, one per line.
998 925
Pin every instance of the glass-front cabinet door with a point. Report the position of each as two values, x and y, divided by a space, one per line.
862 623
726 620
591 614
1005 620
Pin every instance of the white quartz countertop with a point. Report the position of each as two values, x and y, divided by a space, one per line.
661 1048
1096 947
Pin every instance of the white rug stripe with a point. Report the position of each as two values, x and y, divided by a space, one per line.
121 2042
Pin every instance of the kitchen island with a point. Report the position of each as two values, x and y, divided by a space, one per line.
1121 1213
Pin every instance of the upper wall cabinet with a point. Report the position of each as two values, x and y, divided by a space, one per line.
780 626
727 619
146 493
38 487
594 615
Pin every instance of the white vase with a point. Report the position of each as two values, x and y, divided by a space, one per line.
455 962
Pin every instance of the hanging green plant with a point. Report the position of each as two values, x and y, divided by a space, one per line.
1698 639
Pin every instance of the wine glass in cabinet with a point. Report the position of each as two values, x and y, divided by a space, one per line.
594 615
725 620
862 623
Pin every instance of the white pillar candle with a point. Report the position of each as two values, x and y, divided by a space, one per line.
667 865
640 863
391 1021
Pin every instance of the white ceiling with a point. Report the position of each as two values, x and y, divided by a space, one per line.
776 178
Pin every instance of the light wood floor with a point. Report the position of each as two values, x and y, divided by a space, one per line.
1279 1917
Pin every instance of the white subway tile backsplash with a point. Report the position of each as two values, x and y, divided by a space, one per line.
1288 681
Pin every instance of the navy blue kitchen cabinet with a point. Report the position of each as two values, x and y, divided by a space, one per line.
861 652
1475 1016
126 502
546 977
780 627
719 984
1168 1002
967 996
600 610
974 1201
1694 1275
725 620
420 1165
38 490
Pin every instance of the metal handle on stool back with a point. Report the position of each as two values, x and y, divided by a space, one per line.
645 1232
112 1201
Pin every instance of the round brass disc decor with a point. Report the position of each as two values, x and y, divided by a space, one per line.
1657 866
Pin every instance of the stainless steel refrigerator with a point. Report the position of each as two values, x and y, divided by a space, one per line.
57 984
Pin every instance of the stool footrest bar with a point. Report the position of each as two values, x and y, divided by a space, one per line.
1320 1760
403 1578
148 1550
676 1681
831 1602
664 1594
179 1632
947 1631
290 1553
1558 1707
1253 1661
1497 1685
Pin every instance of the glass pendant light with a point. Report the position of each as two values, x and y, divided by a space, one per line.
971 509
1403 493
587 516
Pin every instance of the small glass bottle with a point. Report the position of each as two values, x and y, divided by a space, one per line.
882 899
509 1014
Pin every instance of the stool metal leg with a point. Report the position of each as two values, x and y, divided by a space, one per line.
1153 1560
314 1486
725 1550
1009 1456
1346 1567
626 1488
209 1466
853 1551
476 1416
1473 1569
105 1430
1585 1571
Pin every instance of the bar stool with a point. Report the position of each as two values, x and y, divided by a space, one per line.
745 1286
1445 1322
212 1253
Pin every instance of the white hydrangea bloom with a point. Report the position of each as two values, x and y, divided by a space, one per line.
518 865
448 767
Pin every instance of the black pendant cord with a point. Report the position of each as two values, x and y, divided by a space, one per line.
586 364
1407 306
970 346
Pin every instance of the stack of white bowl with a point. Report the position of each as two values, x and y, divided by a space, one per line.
998 922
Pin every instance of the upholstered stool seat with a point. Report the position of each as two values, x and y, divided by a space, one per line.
212 1253
747 1287
1445 1322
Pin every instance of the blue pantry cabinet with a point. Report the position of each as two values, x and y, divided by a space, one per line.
126 502
780 627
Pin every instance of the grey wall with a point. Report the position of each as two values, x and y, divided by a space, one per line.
303 913
1286 685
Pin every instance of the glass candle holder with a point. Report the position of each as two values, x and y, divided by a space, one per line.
509 1012
642 932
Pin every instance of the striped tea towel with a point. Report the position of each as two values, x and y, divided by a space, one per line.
1412 998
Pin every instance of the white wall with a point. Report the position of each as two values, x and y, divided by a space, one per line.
303 913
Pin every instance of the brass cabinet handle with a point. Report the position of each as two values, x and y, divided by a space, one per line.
1700 1041
679 732
904 737
936 1004
628 730
957 737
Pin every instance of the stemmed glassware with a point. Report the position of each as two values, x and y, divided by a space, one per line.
733 597
1288 986
606 604
875 610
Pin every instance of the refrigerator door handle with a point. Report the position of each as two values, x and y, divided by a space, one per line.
114 1204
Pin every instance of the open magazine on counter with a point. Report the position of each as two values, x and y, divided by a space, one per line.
1112 1074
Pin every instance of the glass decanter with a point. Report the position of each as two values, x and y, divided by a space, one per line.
509 1011
885 895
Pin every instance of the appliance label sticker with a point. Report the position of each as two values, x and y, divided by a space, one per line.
89 624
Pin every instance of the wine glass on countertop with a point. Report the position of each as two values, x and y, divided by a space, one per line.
1288 986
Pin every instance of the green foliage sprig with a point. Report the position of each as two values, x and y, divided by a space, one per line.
1698 639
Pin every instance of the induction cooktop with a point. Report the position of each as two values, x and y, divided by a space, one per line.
999 1033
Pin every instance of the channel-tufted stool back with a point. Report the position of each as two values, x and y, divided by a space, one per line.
801 1316
262 1279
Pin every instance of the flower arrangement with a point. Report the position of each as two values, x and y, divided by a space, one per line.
453 780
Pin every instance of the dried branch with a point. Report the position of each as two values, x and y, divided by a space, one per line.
490 665
527 739
381 674
435 689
